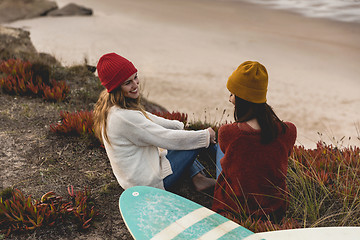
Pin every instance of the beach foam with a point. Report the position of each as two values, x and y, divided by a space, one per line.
185 50
340 10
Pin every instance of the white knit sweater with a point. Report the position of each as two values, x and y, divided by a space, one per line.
134 146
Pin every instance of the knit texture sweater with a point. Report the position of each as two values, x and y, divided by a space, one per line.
253 177
137 146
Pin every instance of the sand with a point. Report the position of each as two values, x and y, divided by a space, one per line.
186 49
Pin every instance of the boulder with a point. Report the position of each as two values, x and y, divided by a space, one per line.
71 9
15 43
12 10
151 106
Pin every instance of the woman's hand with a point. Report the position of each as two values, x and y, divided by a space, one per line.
212 135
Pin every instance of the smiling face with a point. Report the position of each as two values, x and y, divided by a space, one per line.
130 87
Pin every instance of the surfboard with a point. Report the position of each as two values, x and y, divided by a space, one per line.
319 233
151 213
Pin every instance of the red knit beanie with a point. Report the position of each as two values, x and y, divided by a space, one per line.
113 70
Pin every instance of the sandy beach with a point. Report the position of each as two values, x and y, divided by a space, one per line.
185 50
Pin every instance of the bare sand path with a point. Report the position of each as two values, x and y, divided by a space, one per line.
186 49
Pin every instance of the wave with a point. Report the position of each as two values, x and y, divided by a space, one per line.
339 10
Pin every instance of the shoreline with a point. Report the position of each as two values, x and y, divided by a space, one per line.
185 50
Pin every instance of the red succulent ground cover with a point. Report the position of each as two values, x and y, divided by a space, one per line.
21 79
20 213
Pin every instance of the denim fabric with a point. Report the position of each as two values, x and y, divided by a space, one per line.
182 161
219 156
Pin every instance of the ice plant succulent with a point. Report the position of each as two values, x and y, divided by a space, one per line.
182 117
75 123
20 213
20 79
81 122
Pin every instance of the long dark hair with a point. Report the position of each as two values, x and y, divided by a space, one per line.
264 114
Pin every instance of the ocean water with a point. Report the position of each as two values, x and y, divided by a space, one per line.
339 10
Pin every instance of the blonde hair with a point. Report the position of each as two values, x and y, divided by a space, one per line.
104 103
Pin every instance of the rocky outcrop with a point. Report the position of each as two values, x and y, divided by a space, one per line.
15 42
152 107
12 10
71 10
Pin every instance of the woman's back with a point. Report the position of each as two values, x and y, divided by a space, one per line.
254 174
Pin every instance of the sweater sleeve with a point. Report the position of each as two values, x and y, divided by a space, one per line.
291 136
166 123
223 136
142 132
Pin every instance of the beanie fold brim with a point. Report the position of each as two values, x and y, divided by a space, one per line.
248 94
120 78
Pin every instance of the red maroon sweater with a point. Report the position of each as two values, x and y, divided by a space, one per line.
253 177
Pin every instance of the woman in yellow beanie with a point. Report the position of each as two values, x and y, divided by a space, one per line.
255 148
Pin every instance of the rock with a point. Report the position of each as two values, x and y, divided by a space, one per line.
15 43
12 10
151 106
71 10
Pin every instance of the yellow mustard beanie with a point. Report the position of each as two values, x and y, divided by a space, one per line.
249 82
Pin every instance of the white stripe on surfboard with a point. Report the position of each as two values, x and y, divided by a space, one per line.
183 223
219 231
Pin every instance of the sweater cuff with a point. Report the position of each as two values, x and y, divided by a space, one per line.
180 125
207 138
166 169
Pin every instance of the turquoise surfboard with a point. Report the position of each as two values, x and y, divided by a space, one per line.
151 213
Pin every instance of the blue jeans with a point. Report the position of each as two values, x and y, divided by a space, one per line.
182 161
219 156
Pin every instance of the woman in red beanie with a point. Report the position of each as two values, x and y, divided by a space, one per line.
136 141
254 151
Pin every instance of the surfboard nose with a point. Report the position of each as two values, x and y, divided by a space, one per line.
151 213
